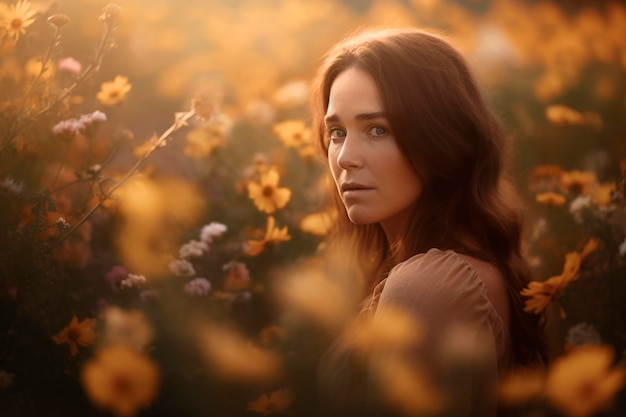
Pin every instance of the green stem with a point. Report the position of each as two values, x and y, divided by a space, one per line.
178 123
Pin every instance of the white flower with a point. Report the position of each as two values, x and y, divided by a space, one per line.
622 248
6 379
198 286
10 184
577 205
133 281
193 249
182 268
292 94
582 334
212 230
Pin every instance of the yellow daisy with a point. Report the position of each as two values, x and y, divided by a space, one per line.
16 18
277 402
584 382
293 133
114 92
272 235
77 334
578 182
121 379
561 115
550 199
266 195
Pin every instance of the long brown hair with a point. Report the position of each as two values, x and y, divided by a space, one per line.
456 146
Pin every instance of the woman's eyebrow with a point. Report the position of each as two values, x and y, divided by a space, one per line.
361 116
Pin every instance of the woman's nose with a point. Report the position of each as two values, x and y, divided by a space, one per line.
349 155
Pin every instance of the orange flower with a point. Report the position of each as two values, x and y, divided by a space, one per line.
542 293
562 115
521 386
121 379
578 182
547 171
318 223
114 92
550 199
266 195
77 334
583 382
277 402
272 235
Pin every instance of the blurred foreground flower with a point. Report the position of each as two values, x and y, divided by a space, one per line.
120 379
542 293
562 115
77 334
233 357
584 382
318 223
17 18
113 92
520 386
550 199
266 195
277 402
273 235
130 328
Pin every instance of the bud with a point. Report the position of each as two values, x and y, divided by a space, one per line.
59 20
111 13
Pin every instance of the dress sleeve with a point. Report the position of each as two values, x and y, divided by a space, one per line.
462 339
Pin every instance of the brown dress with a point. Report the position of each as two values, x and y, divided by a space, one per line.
461 340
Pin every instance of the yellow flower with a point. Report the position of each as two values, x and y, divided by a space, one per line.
121 379
542 293
578 182
272 235
521 386
562 115
113 92
266 195
583 382
77 334
201 142
277 402
293 133
17 18
550 199
318 223
547 171
603 194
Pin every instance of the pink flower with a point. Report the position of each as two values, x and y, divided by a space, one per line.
71 65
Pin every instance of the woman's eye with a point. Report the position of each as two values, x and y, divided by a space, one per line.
336 133
377 131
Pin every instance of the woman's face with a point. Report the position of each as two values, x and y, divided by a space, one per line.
374 180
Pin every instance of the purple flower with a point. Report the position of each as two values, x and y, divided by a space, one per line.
198 286
66 129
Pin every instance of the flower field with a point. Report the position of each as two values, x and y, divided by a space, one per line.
163 205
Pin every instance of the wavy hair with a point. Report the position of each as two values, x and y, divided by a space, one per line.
455 145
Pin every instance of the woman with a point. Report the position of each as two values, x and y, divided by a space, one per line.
417 161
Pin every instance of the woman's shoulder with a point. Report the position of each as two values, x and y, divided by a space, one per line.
450 277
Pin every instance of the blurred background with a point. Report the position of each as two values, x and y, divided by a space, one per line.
187 230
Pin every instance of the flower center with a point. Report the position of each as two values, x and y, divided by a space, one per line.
74 333
114 94
122 384
17 23
268 191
